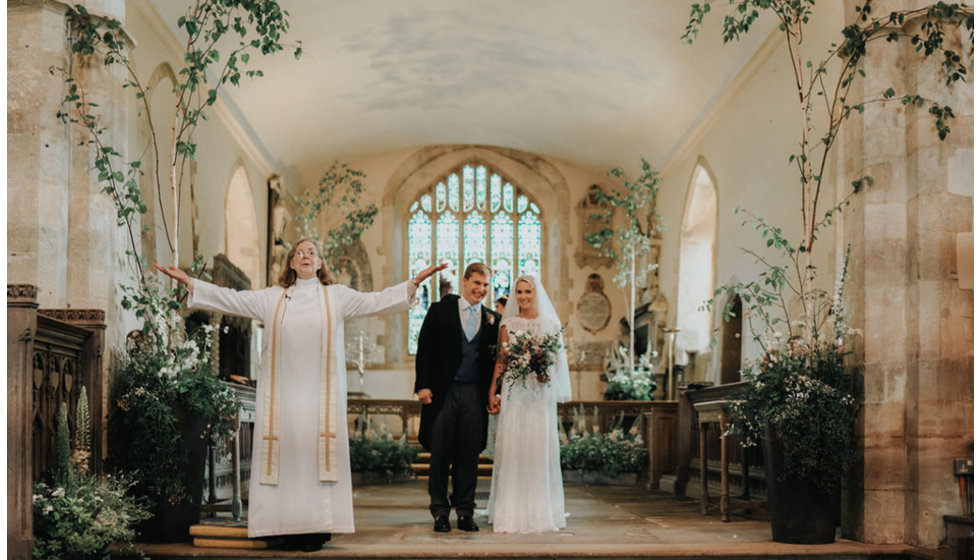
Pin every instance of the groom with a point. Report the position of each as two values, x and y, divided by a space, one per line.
453 366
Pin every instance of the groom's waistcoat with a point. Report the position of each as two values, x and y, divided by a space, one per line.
470 354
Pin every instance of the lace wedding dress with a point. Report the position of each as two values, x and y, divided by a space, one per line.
526 494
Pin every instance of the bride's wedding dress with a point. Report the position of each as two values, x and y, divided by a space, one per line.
526 494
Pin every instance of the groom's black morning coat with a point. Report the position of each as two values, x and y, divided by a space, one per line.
439 354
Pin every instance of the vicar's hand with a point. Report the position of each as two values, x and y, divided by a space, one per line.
429 271
178 275
494 406
424 396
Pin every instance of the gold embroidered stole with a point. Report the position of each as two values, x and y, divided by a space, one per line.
327 429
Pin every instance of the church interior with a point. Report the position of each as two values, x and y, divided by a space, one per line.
500 131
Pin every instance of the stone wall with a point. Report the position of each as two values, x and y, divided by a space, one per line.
917 349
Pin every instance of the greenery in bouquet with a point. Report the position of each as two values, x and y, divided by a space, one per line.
78 514
163 378
587 448
373 449
527 354
625 384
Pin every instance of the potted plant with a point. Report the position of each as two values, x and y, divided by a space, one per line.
78 514
167 407
799 398
165 396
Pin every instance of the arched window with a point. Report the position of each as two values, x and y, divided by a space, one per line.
696 268
472 214
241 228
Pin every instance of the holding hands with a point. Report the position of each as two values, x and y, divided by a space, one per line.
494 404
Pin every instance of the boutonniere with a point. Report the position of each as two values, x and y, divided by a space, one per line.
490 319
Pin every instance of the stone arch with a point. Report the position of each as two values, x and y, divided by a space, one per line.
539 178
696 266
242 245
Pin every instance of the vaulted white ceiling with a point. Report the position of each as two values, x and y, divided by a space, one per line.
595 83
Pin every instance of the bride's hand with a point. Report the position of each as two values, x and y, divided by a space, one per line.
542 379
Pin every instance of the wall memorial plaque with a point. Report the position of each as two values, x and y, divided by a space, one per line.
593 307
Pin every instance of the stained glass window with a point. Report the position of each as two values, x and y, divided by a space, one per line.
470 215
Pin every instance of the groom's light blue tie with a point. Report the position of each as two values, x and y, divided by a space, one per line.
470 328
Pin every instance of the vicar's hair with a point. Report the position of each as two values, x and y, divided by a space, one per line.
476 268
288 276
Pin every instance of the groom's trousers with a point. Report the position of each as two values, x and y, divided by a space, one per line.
455 446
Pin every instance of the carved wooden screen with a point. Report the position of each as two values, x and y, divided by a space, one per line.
66 357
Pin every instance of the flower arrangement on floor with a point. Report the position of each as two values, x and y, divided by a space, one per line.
79 514
587 449
528 354
625 384
155 391
801 391
373 449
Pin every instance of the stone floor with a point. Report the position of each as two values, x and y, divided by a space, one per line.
603 522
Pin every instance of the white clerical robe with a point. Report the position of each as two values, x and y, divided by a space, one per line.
289 491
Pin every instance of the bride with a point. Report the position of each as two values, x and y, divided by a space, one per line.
526 494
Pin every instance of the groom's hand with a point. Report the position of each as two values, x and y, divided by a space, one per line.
494 405
424 396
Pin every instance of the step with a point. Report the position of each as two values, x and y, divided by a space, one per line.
225 534
426 457
423 468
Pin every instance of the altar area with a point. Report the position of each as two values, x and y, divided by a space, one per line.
392 521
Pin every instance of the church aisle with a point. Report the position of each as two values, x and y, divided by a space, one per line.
604 522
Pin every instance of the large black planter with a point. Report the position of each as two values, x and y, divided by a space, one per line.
800 512
172 522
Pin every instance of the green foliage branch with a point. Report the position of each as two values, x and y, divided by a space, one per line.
93 40
824 85
629 243
332 215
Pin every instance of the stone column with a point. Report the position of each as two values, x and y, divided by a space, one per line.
38 151
939 402
62 232
915 357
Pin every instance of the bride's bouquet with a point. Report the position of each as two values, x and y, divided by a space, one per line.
527 354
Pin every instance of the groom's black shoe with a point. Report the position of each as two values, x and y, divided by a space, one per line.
466 523
442 524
